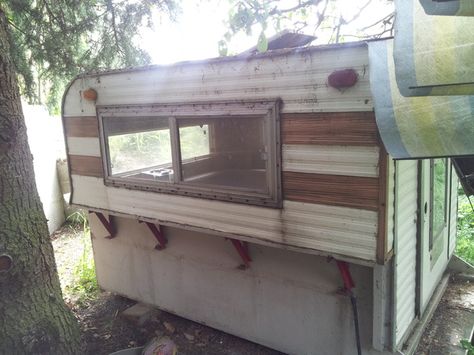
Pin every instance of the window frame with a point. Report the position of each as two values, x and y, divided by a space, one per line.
268 110
436 237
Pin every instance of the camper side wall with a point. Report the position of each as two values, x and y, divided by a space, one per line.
333 176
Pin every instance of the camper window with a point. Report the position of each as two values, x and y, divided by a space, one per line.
226 151
141 150
438 198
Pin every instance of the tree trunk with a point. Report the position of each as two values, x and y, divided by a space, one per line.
33 316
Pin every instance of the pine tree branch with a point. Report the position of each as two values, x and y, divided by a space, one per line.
110 7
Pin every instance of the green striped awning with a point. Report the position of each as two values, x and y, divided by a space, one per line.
434 55
448 7
417 127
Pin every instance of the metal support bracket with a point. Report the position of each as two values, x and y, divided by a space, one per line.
162 241
346 275
348 290
243 250
108 224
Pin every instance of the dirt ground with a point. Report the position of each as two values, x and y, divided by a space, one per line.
105 331
452 321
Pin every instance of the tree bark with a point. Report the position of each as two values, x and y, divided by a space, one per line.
33 316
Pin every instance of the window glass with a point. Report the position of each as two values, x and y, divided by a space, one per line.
140 155
439 195
194 141
237 157
438 208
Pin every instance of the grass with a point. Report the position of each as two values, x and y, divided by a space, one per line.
465 238
84 285
467 345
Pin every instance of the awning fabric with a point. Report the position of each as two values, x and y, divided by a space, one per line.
433 54
448 7
417 127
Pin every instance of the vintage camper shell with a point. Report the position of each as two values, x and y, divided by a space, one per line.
291 175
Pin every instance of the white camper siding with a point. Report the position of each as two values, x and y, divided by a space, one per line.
85 146
331 229
333 160
406 202
298 78
332 202
453 218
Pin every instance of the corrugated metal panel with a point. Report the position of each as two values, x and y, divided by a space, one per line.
454 211
330 229
333 160
298 78
405 245
390 203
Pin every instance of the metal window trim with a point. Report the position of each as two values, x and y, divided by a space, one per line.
268 110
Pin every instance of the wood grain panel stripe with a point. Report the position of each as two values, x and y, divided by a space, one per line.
81 126
330 128
86 165
336 190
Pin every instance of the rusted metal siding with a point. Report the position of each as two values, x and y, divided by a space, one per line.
334 190
406 205
330 128
86 165
329 138
298 78
81 126
330 229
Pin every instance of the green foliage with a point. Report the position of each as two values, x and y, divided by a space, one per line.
79 219
54 40
465 237
316 16
262 44
194 141
152 148
467 345
84 286
139 150
439 195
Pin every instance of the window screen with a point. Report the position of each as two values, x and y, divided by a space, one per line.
237 158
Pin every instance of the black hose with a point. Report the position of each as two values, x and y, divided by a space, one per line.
356 322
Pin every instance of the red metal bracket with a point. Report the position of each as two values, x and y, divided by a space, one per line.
162 241
348 286
346 275
243 250
108 224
